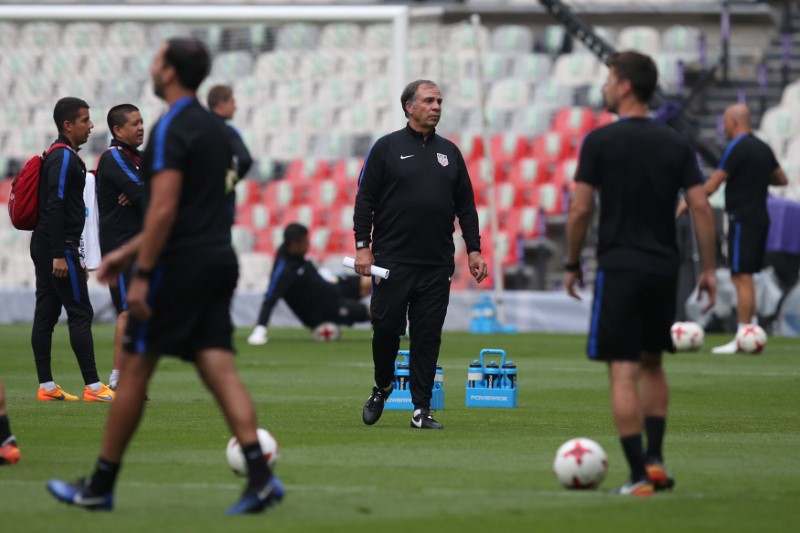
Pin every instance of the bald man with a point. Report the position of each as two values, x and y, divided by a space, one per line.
748 167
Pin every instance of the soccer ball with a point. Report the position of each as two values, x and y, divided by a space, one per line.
580 464
751 339
235 456
687 336
326 332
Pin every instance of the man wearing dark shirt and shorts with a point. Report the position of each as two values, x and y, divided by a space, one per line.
314 299
637 167
748 167
413 185
121 205
183 279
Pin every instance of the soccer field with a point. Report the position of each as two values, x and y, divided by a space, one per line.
732 443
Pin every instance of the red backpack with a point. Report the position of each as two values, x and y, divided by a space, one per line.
23 202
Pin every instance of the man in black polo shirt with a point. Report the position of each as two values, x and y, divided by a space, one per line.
748 167
60 279
314 299
183 279
412 186
637 167
121 206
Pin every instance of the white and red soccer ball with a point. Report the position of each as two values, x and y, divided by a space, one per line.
326 332
687 336
751 339
580 464
235 455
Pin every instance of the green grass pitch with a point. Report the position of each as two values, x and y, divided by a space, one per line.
732 443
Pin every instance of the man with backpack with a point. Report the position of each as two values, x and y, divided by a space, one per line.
60 279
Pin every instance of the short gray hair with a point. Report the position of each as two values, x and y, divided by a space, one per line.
410 93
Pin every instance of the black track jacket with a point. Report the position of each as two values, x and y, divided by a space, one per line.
409 193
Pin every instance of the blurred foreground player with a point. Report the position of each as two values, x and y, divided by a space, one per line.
311 297
637 168
9 451
184 275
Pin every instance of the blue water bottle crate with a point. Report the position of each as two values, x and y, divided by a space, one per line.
400 399
491 384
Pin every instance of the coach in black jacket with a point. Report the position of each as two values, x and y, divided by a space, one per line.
413 185
121 205
60 278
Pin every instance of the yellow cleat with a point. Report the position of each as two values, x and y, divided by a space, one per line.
57 395
105 394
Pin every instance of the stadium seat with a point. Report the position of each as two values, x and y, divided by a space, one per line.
424 35
553 95
307 169
527 172
508 147
297 36
278 65
282 194
575 70
40 35
670 73
643 39
301 214
231 66
8 34
549 198
508 94
5 184
564 174
575 121
248 192
460 38
82 37
318 65
510 197
555 41
287 145
378 37
527 222
682 41
242 238
162 31
552 147
512 39
268 240
533 68
340 36
604 118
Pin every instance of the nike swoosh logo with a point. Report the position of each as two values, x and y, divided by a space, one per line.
406 156
106 398
414 421
59 397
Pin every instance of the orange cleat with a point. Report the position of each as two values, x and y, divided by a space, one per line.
640 489
57 395
9 453
659 476
105 394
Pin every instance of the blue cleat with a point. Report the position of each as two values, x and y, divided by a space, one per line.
256 500
80 494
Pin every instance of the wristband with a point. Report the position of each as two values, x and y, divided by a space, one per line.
138 272
572 267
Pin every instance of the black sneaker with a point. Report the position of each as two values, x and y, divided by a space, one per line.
424 420
373 409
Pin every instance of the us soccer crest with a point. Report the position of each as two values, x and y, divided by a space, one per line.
442 159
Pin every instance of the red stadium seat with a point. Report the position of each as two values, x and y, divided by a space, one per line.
564 174
345 174
527 172
256 217
307 169
282 194
527 222
471 146
508 147
552 147
248 192
5 190
574 121
549 197
605 118
302 214
268 240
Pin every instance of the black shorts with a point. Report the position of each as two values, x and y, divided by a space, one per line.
119 294
350 312
747 243
191 300
632 312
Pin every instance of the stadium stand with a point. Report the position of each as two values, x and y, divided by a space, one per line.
313 97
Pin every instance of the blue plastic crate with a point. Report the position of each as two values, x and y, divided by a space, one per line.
400 399
503 394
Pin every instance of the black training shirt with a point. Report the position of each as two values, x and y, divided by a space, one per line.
409 193
118 172
749 162
638 167
62 212
308 295
188 139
